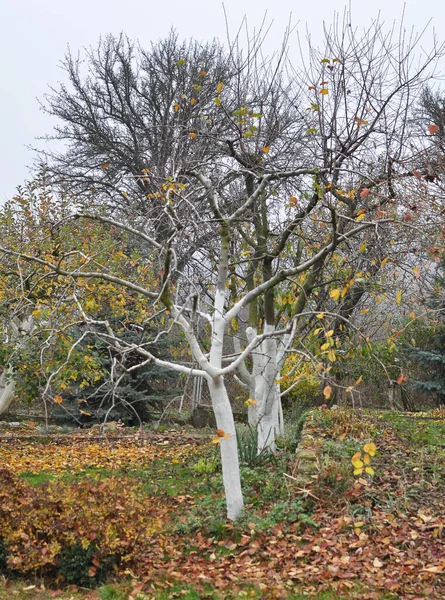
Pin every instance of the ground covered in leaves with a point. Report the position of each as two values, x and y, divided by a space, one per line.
145 512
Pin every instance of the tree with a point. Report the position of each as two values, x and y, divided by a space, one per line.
268 182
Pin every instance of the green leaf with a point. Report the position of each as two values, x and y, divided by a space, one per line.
311 130
181 62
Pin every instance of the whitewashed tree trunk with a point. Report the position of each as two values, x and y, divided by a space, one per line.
268 361
229 447
7 378
7 388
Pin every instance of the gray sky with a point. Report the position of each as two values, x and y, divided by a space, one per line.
34 35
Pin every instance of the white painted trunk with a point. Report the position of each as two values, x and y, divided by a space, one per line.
265 391
7 388
7 380
229 448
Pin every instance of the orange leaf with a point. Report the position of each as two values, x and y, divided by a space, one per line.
432 129
327 392
401 378
105 165
58 399
203 73
192 135
220 433
364 192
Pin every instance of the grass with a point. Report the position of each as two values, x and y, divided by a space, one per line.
421 430
410 471
22 590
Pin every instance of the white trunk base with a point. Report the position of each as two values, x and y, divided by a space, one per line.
229 448
7 389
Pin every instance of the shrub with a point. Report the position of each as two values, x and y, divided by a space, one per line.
3 557
84 567
41 525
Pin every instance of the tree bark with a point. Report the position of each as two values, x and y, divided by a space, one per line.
229 448
7 388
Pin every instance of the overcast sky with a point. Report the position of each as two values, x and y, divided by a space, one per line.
34 35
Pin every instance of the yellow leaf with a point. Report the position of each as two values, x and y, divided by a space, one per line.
342 437
192 135
320 316
327 392
176 107
359 380
324 92
36 313
266 149
319 367
219 87
249 402
330 333
369 470
217 102
412 315
398 297
193 101
358 471
359 524
175 461
371 449
335 294
325 346
361 217
332 356
367 459
216 440
358 464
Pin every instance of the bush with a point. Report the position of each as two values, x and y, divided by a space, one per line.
294 419
307 388
3 557
84 567
45 527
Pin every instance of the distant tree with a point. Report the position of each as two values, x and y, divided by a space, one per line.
431 356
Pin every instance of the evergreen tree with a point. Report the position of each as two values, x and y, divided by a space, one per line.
432 356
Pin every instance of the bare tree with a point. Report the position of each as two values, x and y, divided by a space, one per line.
260 178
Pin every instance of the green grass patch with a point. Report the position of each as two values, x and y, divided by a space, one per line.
420 430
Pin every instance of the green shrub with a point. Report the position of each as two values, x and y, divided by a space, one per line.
3 557
84 566
293 425
206 466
